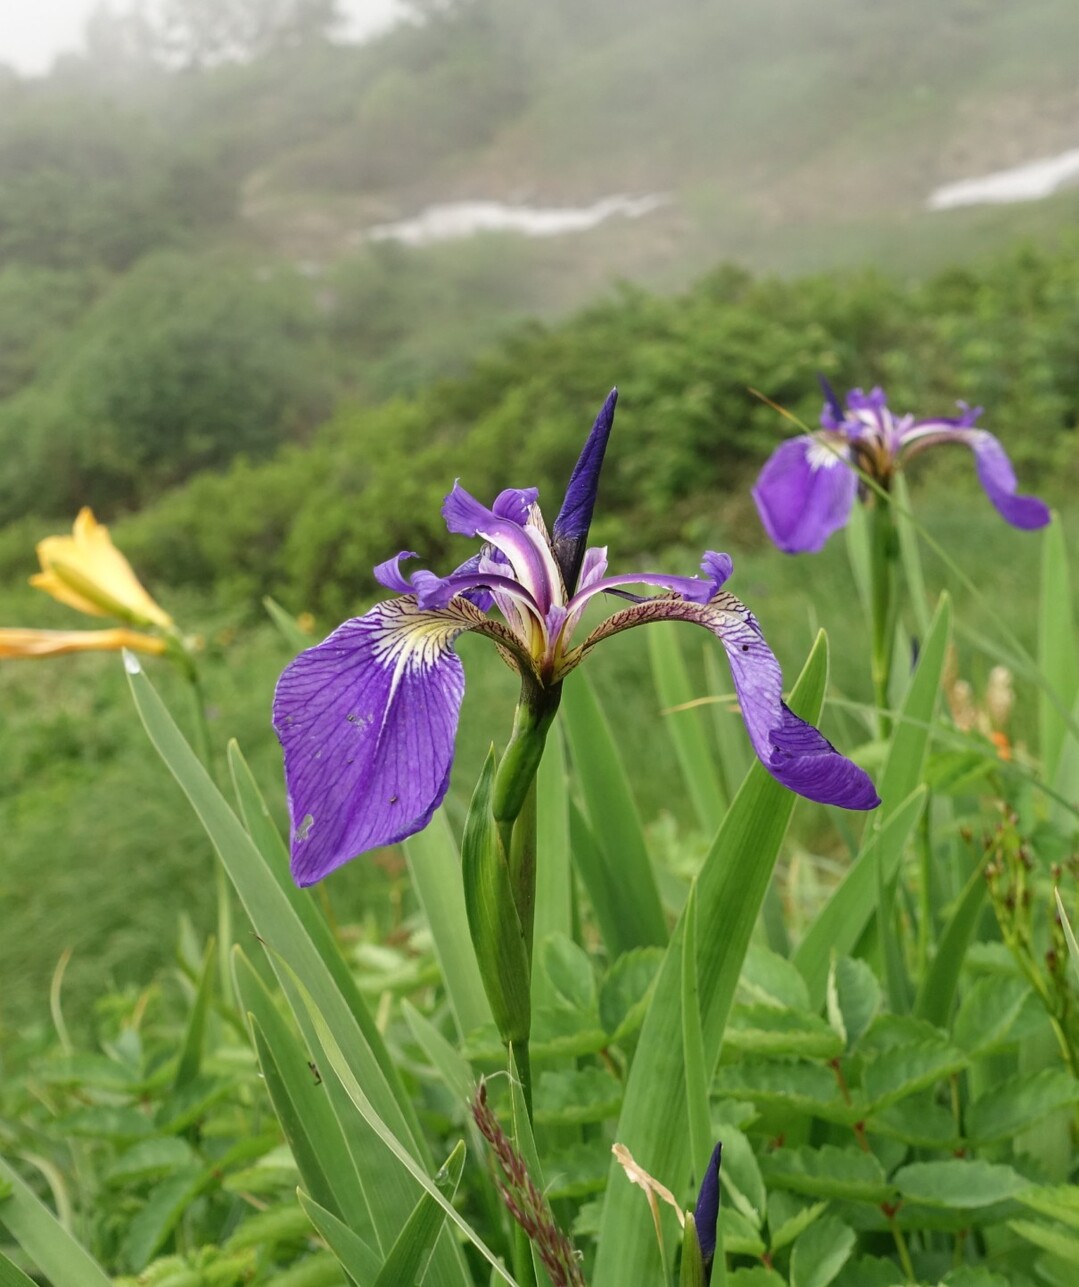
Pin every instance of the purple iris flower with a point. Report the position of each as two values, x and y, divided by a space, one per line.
706 1212
368 718
806 489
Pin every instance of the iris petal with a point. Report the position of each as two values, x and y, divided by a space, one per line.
995 472
570 533
794 752
706 1212
367 720
805 492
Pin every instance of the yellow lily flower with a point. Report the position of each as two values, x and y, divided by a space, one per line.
17 642
86 571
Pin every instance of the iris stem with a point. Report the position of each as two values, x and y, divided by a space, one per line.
884 555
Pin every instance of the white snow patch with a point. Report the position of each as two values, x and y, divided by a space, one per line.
1029 182
466 218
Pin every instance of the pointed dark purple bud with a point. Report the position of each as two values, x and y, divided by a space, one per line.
569 537
706 1212
834 405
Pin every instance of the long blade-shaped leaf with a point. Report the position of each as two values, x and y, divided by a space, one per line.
730 889
410 1252
46 1242
612 812
1058 657
554 874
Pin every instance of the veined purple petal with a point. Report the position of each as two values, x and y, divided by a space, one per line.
367 720
794 752
390 575
514 503
717 568
805 492
528 553
706 1212
570 533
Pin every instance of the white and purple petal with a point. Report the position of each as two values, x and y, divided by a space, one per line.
794 752
805 492
367 720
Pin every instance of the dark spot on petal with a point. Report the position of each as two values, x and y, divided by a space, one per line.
745 647
393 799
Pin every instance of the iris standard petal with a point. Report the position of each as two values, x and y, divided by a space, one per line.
794 752
805 492
569 536
997 477
367 720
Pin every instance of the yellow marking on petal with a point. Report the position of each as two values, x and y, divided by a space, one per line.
87 572
17 642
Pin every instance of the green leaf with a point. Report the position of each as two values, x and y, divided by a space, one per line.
839 925
919 1120
349 1081
740 1236
730 891
435 868
770 979
626 991
988 1013
853 998
807 1088
821 1252
353 1254
569 971
757 1276
575 1096
763 1029
409 1254
691 1272
1010 1107
150 1160
297 639
1060 1201
300 1101
1069 935
444 1057
1058 659
740 1176
554 873
117 1123
1050 1238
698 1121
936 995
788 1216
495 926
151 1227
959 1183
623 877
827 1172
903 1070
299 950
187 1069
685 724
12 1276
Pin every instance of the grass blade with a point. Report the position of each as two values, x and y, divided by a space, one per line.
1058 659
47 1244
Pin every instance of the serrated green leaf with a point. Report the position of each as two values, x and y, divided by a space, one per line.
917 1120
853 998
569 970
871 1271
150 1160
272 1227
988 1012
577 1096
821 1252
740 1237
807 1088
788 1216
1010 1107
152 1226
764 1029
1061 1201
770 979
1051 1238
756 1276
958 1183
626 990
903 1070
828 1172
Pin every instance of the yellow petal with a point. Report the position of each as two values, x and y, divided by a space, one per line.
16 642
87 572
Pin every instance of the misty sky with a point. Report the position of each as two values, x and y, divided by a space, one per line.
33 32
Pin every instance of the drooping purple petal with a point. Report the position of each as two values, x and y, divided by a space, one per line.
717 569
995 472
569 537
805 492
794 752
706 1212
367 720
